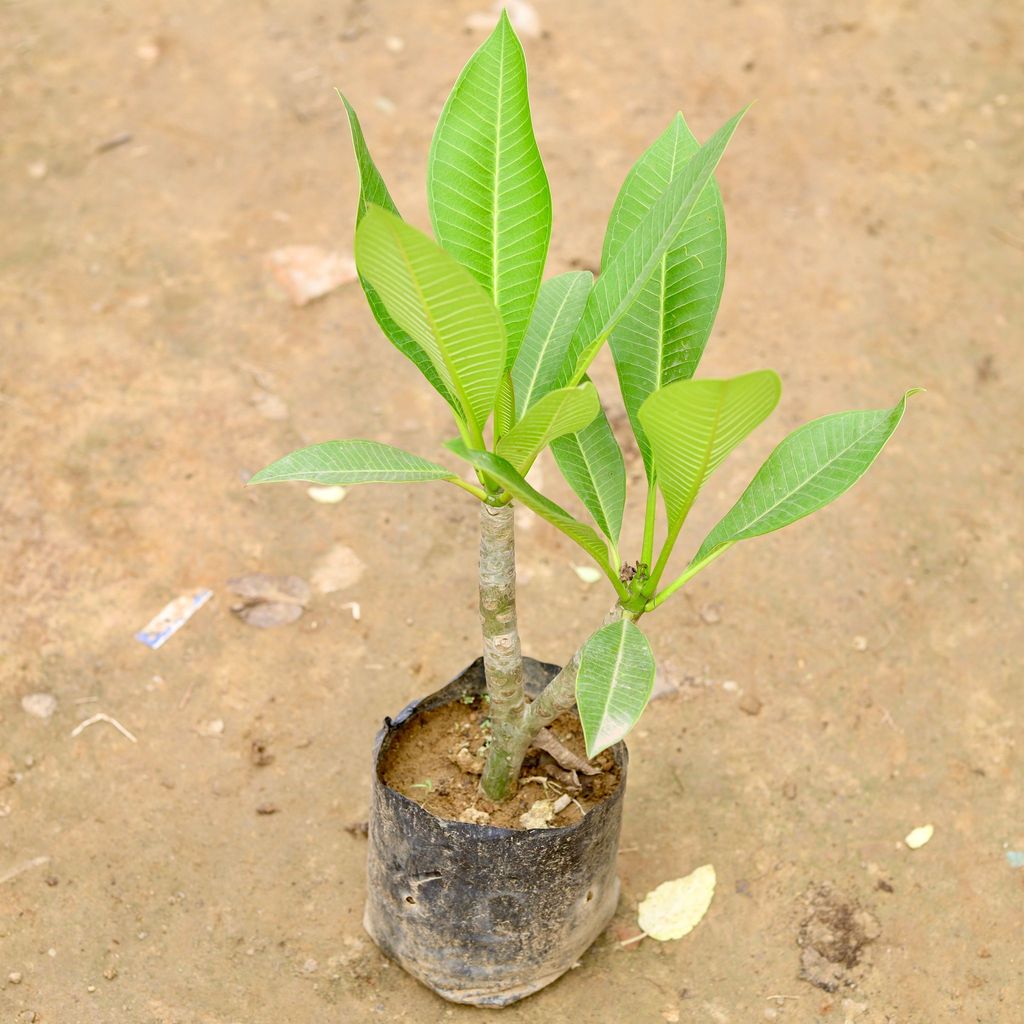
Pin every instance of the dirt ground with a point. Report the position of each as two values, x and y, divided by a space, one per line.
152 155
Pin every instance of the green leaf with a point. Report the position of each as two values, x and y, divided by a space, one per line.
372 190
692 426
352 462
503 473
810 468
557 413
662 336
555 317
613 683
592 464
440 305
622 281
486 188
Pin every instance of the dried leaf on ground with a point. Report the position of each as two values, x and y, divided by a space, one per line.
341 567
547 741
308 272
675 908
269 600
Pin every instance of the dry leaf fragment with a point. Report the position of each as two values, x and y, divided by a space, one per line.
341 567
547 741
917 837
269 600
675 908
307 272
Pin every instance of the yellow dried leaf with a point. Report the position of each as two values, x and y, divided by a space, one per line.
675 908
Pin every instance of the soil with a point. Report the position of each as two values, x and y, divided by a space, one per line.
436 759
153 155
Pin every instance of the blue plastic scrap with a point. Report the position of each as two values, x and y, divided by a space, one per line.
172 617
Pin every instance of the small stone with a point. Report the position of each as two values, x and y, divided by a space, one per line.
37 169
917 837
750 705
14 977
394 44
539 815
110 973
710 614
39 705
267 809
90 988
326 495
468 763
148 51
310 966
259 752
215 727
730 686
789 790
51 880
474 816
860 643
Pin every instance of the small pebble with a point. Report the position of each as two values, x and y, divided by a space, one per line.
148 51
90 988
917 837
37 169
860 643
310 966
110 973
750 705
51 952
326 495
710 614
730 686
394 44
267 809
14 977
39 705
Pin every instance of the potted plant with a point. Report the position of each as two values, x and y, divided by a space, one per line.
484 890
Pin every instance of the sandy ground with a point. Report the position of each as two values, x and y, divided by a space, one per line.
876 212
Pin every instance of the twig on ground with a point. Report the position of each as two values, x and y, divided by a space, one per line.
101 717
35 862
186 695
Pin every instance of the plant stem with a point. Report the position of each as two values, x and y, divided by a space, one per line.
686 576
649 520
503 662
560 694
